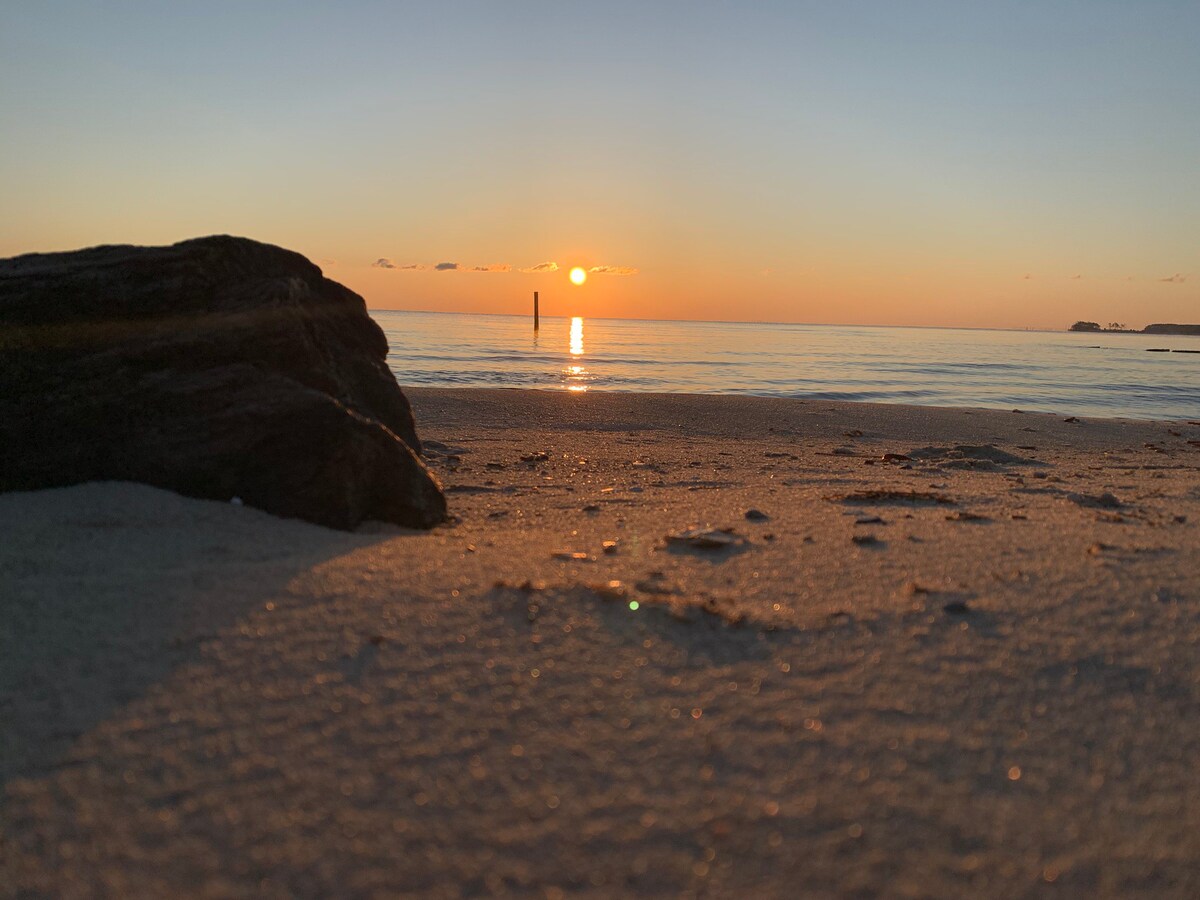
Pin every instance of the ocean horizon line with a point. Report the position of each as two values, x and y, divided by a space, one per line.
450 312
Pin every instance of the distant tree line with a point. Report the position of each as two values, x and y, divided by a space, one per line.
1158 328
1095 326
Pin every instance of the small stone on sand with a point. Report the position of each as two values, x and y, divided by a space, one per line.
706 538
964 516
609 590
1105 500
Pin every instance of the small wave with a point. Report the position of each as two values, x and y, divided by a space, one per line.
895 396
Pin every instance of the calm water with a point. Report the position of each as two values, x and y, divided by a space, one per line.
1091 375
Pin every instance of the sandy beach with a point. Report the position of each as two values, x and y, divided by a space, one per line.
949 653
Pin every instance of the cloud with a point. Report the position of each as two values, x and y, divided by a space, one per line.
548 266
1175 279
612 270
385 263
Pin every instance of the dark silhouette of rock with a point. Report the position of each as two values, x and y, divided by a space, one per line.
218 367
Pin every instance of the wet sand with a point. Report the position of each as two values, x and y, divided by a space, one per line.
971 672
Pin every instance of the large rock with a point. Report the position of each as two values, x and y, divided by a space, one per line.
217 367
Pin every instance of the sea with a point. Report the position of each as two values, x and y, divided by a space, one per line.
1084 374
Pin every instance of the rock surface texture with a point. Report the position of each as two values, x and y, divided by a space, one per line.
218 367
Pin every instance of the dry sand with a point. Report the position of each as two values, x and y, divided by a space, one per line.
199 700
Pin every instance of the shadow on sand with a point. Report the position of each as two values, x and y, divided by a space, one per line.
106 588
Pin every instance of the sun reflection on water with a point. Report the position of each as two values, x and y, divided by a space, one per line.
575 375
577 336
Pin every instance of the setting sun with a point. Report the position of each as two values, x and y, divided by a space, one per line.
578 275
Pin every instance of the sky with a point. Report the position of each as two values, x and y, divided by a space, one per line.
1012 164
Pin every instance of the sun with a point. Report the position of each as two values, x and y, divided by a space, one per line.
578 275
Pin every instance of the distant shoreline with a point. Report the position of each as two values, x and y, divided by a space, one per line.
1157 328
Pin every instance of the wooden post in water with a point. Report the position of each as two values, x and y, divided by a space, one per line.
535 310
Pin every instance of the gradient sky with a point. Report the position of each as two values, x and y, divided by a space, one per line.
1009 164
